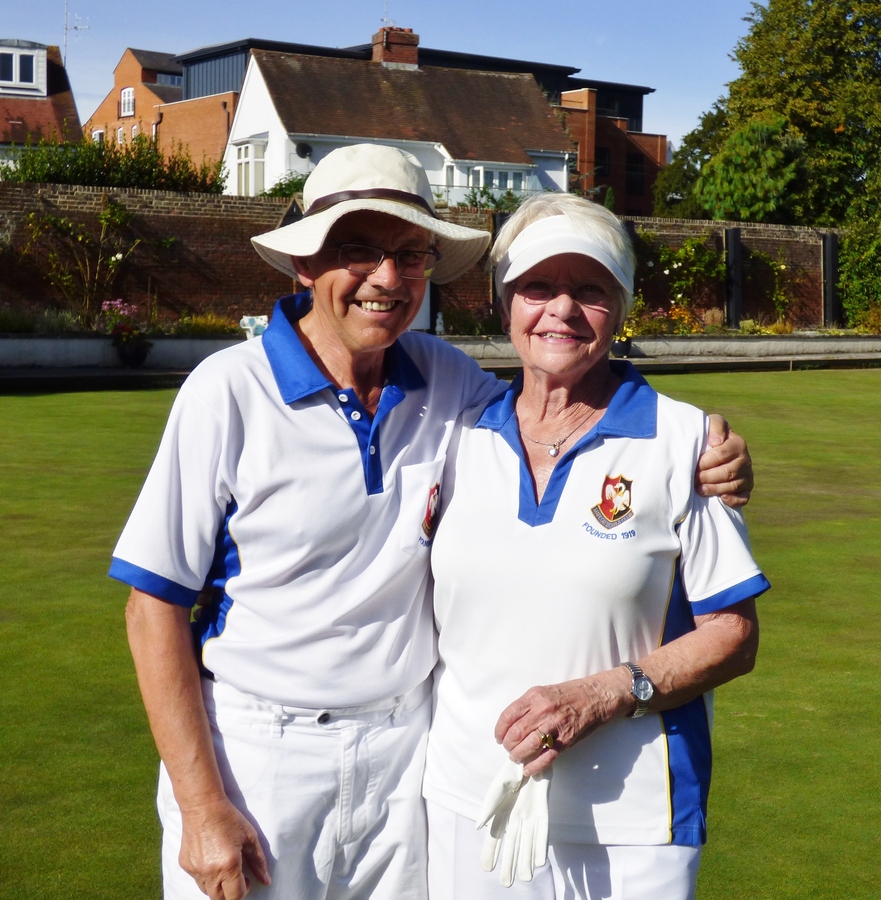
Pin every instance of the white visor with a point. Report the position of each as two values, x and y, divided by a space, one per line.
553 236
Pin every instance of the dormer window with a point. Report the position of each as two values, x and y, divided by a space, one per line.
17 68
127 102
22 69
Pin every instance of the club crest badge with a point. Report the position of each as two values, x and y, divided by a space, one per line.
430 518
615 506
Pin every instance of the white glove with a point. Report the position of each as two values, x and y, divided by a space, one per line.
517 814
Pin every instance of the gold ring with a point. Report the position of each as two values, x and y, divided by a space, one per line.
546 741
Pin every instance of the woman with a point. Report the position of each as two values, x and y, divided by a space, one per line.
587 599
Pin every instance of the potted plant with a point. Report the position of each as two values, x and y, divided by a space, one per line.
622 343
129 338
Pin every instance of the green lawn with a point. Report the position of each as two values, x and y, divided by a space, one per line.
797 782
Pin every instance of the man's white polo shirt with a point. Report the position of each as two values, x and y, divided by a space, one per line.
311 519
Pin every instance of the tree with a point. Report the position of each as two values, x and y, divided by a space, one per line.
817 65
674 187
749 177
809 94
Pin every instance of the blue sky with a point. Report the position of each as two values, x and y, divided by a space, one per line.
681 47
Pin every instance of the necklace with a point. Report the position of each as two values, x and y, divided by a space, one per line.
554 446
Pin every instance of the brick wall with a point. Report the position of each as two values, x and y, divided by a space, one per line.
195 253
469 299
800 249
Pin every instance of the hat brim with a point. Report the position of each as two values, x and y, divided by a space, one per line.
459 247
555 245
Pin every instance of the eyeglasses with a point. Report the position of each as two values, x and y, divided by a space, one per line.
409 263
592 294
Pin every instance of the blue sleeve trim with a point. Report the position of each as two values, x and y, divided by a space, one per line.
151 583
752 587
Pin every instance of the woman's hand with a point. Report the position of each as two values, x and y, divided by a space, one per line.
722 647
568 712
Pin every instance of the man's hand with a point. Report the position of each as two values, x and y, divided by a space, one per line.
217 843
725 469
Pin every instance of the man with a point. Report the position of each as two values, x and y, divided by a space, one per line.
298 477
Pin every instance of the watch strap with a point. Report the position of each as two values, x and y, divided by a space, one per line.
642 703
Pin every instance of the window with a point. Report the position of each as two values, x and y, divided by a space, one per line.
26 68
249 169
134 131
18 68
98 136
120 135
603 163
127 102
475 179
167 78
634 182
517 181
503 181
488 178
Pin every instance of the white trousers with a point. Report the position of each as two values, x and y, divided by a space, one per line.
335 796
573 871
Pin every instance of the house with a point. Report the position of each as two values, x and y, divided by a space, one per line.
36 102
143 81
606 131
614 158
470 129
610 157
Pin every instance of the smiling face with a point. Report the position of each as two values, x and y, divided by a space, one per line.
356 313
566 336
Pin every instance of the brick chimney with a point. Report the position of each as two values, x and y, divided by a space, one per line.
397 48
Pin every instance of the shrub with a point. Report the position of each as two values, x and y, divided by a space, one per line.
860 267
209 323
288 185
868 321
83 266
483 198
137 164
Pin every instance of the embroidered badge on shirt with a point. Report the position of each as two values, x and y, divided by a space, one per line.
615 506
431 510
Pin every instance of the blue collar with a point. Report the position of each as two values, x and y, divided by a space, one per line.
296 374
632 412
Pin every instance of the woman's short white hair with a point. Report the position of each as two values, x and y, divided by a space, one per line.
588 220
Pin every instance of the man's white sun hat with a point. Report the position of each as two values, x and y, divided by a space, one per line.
380 179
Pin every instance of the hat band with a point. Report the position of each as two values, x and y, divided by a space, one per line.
323 203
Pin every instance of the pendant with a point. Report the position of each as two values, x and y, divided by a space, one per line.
554 450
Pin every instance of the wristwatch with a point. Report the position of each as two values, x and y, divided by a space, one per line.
642 688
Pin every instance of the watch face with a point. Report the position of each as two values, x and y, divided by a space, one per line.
642 689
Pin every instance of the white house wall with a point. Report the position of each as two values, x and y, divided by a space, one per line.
256 115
